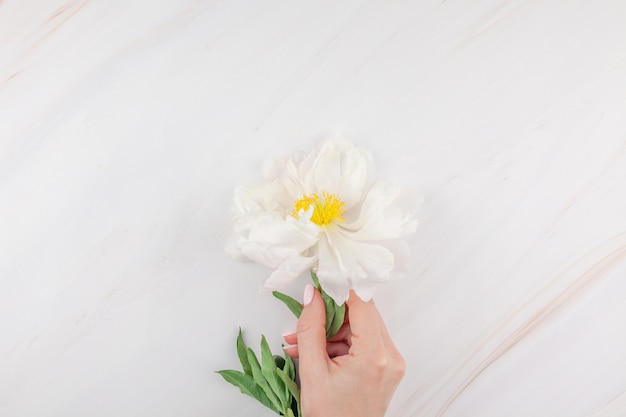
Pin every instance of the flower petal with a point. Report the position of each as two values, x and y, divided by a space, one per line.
343 261
269 240
330 273
388 212
338 168
364 288
287 271
401 256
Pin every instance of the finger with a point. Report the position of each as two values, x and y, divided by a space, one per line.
335 349
311 331
291 338
364 324
344 334
291 350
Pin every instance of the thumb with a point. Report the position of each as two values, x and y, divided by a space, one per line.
311 330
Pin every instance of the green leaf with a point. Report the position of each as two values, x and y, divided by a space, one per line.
337 322
291 303
330 314
260 380
242 381
316 281
329 305
290 367
291 386
289 413
289 370
246 385
335 314
290 383
268 369
243 355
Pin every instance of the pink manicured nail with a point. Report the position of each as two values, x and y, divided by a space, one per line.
309 290
285 347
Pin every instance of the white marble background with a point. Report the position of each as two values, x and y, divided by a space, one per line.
125 126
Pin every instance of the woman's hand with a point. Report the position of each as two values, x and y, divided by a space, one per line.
353 374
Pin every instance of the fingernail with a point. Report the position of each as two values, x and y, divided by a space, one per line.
309 290
285 347
288 334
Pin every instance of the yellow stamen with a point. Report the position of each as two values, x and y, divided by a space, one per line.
324 210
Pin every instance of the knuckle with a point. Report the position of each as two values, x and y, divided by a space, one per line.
381 363
387 365
302 326
399 367
378 365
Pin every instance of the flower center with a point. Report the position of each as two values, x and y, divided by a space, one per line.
325 209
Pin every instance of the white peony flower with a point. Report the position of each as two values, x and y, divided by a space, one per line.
323 212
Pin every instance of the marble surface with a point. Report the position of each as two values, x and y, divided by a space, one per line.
126 125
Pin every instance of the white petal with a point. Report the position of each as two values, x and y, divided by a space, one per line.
364 288
264 255
344 262
255 198
363 260
290 233
339 168
401 255
387 212
330 273
268 239
233 250
287 271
